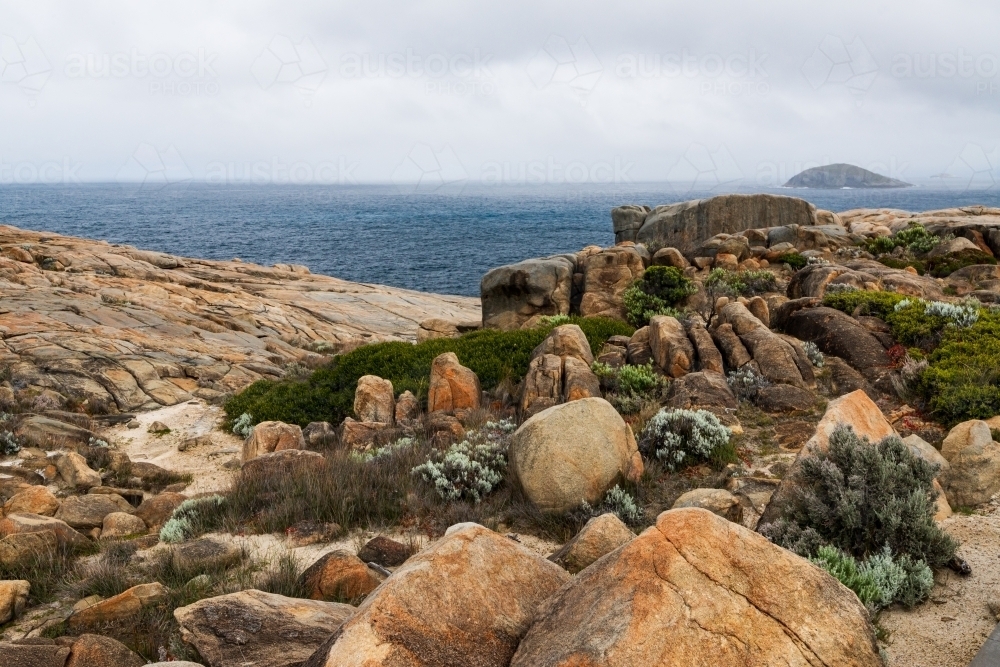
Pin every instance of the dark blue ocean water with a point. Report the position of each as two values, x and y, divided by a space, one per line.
376 234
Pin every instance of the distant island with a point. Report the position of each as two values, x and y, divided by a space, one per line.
835 176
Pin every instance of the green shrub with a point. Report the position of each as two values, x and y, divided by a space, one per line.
746 383
629 379
914 238
880 579
895 263
743 283
328 394
945 265
862 497
683 437
658 292
793 259
867 302
243 425
880 244
619 502
193 517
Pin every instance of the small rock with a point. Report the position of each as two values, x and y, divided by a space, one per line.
158 428
205 553
601 535
195 441
373 400
21 549
384 551
89 511
305 533
360 435
156 510
122 524
319 435
272 436
33 655
13 598
407 409
133 424
23 522
34 500
122 606
716 501
339 576
100 651
75 472
452 385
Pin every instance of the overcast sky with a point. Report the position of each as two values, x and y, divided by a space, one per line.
508 91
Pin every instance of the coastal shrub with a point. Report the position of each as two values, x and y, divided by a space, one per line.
945 265
243 425
814 353
876 303
895 263
470 469
328 394
393 448
915 238
862 497
742 283
657 292
616 501
683 437
9 443
635 380
793 259
746 383
193 517
879 580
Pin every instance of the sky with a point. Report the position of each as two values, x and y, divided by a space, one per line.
429 94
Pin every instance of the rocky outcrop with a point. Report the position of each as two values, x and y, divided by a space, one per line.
114 328
572 453
627 221
777 359
606 276
452 385
704 389
374 400
257 628
671 347
337 577
972 476
559 371
513 294
89 511
687 224
13 598
840 335
272 436
466 600
691 590
120 607
837 176
34 500
100 651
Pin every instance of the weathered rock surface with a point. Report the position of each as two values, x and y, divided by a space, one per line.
100 651
257 628
17 523
777 359
513 294
13 598
452 385
156 510
566 340
672 350
572 453
691 590
606 276
973 473
374 400
687 224
33 655
89 511
703 389
841 335
121 524
34 500
48 433
205 553
22 549
118 328
542 384
466 600
122 606
601 535
272 436
75 472
717 501
339 576
384 552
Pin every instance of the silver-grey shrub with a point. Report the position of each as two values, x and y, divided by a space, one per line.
681 437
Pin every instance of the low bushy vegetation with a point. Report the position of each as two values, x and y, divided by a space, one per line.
879 580
960 343
630 387
680 438
945 265
470 469
192 517
328 394
658 292
793 259
865 500
741 283
915 238
746 383
616 501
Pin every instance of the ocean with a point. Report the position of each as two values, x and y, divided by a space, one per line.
376 233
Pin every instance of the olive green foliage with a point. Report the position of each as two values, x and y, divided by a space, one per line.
630 388
880 579
962 377
914 238
862 497
944 266
865 302
793 259
742 283
658 292
328 394
895 263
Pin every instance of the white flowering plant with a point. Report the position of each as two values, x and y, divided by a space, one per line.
681 437
473 468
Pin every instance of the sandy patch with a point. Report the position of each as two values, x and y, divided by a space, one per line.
185 420
948 630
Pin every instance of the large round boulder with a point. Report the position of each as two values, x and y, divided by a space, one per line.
466 600
574 452
691 591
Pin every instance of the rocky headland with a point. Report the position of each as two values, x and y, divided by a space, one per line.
836 176
751 432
